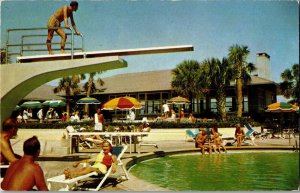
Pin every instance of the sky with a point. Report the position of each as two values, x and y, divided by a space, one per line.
210 26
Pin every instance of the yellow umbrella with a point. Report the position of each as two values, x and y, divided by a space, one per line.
122 103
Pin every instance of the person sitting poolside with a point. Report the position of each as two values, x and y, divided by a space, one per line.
218 143
7 155
200 139
25 173
102 162
239 135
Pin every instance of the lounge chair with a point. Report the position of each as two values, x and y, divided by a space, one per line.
190 134
84 141
1 168
71 184
250 134
89 142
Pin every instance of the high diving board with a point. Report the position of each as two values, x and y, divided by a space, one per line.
94 54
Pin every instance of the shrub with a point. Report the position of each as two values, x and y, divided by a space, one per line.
109 126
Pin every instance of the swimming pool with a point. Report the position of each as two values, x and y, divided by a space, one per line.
221 172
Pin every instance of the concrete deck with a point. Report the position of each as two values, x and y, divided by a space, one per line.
55 148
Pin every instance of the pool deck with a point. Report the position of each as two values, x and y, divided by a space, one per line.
55 158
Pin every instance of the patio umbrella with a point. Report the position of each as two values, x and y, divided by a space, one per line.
54 103
123 103
31 104
178 100
17 108
88 100
282 107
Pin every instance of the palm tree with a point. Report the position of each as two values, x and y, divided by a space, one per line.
70 86
237 57
90 86
218 76
290 85
186 78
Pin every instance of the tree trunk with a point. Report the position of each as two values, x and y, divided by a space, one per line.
68 103
207 102
197 108
221 103
191 106
88 92
239 97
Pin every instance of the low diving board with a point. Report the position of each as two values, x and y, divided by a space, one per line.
94 54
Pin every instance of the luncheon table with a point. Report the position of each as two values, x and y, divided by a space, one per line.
133 137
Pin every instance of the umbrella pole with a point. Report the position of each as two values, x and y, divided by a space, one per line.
86 108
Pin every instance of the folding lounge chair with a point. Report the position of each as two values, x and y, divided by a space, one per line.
250 134
1 168
190 134
90 142
118 151
84 142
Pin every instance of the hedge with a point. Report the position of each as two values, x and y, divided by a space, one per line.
158 124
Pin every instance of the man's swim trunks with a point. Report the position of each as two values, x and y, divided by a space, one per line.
53 22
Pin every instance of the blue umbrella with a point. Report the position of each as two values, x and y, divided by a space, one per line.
88 100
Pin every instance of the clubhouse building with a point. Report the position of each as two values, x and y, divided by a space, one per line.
153 89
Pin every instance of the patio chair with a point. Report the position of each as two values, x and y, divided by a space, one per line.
118 151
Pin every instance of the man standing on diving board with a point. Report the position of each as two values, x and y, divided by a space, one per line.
62 14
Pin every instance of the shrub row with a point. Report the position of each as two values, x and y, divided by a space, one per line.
158 124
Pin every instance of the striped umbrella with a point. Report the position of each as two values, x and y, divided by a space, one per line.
282 107
88 100
54 103
123 103
178 100
31 104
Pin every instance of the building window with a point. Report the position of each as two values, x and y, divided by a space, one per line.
245 104
213 105
229 104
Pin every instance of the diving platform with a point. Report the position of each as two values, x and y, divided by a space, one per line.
95 54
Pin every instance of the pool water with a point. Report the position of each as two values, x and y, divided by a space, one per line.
221 172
